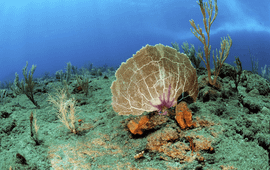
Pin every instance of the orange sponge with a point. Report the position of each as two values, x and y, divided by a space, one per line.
137 127
184 115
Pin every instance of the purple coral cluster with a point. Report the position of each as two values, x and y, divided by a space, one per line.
165 104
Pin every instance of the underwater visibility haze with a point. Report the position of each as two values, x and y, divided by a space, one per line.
134 84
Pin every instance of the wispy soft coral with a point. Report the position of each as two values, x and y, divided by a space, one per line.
66 109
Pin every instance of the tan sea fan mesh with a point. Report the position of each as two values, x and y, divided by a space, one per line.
147 75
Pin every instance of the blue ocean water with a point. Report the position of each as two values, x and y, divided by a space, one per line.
50 33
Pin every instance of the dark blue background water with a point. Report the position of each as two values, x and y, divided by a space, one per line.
53 32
